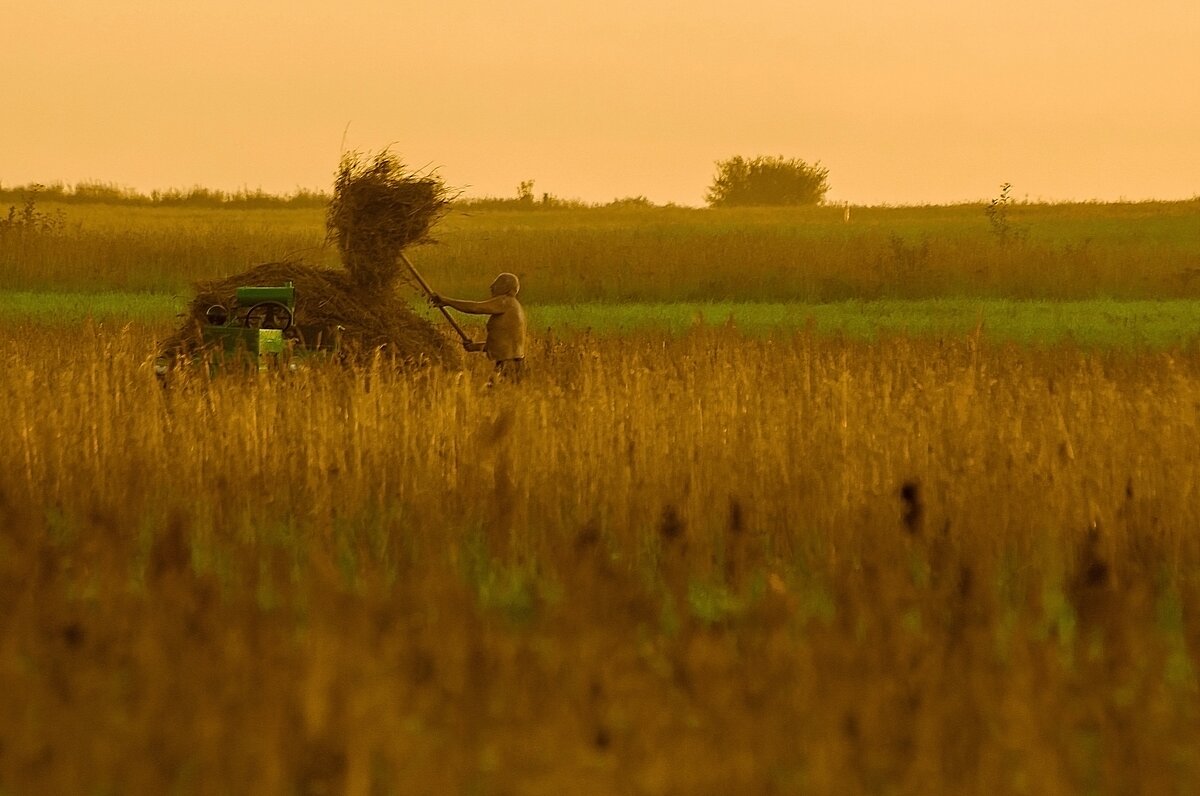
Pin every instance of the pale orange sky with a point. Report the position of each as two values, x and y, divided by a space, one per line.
925 101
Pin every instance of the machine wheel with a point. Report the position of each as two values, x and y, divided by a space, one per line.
268 315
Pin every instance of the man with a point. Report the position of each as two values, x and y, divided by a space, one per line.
505 344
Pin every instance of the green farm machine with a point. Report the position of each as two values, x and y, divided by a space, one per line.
259 329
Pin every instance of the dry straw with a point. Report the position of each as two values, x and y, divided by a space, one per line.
378 208
370 320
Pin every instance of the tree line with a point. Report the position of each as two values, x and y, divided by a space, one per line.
738 182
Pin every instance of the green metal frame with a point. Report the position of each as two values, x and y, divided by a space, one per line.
259 347
256 346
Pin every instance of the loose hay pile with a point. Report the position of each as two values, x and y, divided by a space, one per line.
370 321
378 208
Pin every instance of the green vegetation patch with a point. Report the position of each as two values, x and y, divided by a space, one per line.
1149 324
1155 324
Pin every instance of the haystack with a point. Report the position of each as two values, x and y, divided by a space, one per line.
370 320
378 208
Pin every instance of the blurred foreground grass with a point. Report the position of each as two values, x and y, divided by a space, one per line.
663 564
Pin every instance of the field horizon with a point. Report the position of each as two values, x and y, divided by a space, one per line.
101 192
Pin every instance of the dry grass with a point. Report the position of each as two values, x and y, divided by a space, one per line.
1148 251
702 565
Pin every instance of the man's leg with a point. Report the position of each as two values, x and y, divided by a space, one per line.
509 370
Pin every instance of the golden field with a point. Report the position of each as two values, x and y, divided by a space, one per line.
699 564
655 254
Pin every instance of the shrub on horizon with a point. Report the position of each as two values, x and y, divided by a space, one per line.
767 181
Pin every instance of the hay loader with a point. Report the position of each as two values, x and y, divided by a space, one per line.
258 330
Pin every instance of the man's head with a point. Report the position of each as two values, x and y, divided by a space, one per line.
506 285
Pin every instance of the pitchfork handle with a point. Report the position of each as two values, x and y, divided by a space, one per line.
429 292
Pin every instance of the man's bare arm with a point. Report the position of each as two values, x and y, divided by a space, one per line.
493 306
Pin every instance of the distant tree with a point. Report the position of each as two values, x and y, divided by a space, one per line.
1005 231
767 181
525 192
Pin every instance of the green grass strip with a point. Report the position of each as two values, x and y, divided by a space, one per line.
1153 324
1141 324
